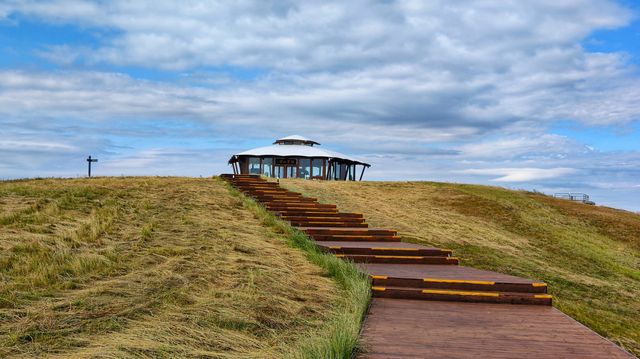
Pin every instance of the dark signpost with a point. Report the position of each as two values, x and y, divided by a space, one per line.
89 160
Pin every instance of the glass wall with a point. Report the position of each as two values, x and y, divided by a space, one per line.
316 167
292 172
299 167
305 168
333 169
338 171
254 165
267 167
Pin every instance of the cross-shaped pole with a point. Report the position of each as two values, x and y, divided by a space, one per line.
89 160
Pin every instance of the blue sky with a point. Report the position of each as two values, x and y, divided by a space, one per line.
533 95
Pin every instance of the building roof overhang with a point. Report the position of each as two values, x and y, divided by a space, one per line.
281 150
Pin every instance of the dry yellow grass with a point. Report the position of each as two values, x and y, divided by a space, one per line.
589 255
150 267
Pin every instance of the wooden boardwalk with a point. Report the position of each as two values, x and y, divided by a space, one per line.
427 306
400 328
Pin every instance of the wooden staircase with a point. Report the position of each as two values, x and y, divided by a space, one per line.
348 236
425 305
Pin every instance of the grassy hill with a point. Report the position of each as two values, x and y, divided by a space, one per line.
590 256
176 267
163 267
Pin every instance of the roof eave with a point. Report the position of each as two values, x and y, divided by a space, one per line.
235 158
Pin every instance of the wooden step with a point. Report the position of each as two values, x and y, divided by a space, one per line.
261 190
264 191
280 200
307 206
281 196
323 216
349 231
241 178
304 205
458 284
390 249
324 219
254 182
262 187
404 259
288 201
305 212
329 224
461 296
238 176
354 238
448 277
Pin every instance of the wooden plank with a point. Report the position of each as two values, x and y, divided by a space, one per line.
398 328
429 271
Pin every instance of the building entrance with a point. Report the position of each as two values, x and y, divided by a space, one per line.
286 171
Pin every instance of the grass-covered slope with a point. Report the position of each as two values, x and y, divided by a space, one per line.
159 267
589 255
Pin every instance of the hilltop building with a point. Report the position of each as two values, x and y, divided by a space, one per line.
297 157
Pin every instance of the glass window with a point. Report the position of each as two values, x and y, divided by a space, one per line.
292 172
316 167
267 167
305 168
345 171
279 171
254 166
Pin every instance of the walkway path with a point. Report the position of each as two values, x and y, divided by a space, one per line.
460 311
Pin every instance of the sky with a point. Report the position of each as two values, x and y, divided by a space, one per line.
537 95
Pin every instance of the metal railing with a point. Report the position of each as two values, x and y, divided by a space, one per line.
576 197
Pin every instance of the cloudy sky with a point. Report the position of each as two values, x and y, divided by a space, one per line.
538 94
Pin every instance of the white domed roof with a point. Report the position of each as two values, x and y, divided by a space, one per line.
295 146
295 139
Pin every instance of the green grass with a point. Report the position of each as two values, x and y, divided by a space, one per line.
164 268
589 256
338 338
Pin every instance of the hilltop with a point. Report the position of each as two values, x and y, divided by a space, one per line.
157 267
588 255
180 267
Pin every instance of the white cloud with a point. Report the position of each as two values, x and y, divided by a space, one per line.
439 65
12 145
438 90
534 146
521 174
320 34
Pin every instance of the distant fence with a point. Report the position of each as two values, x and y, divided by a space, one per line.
576 197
